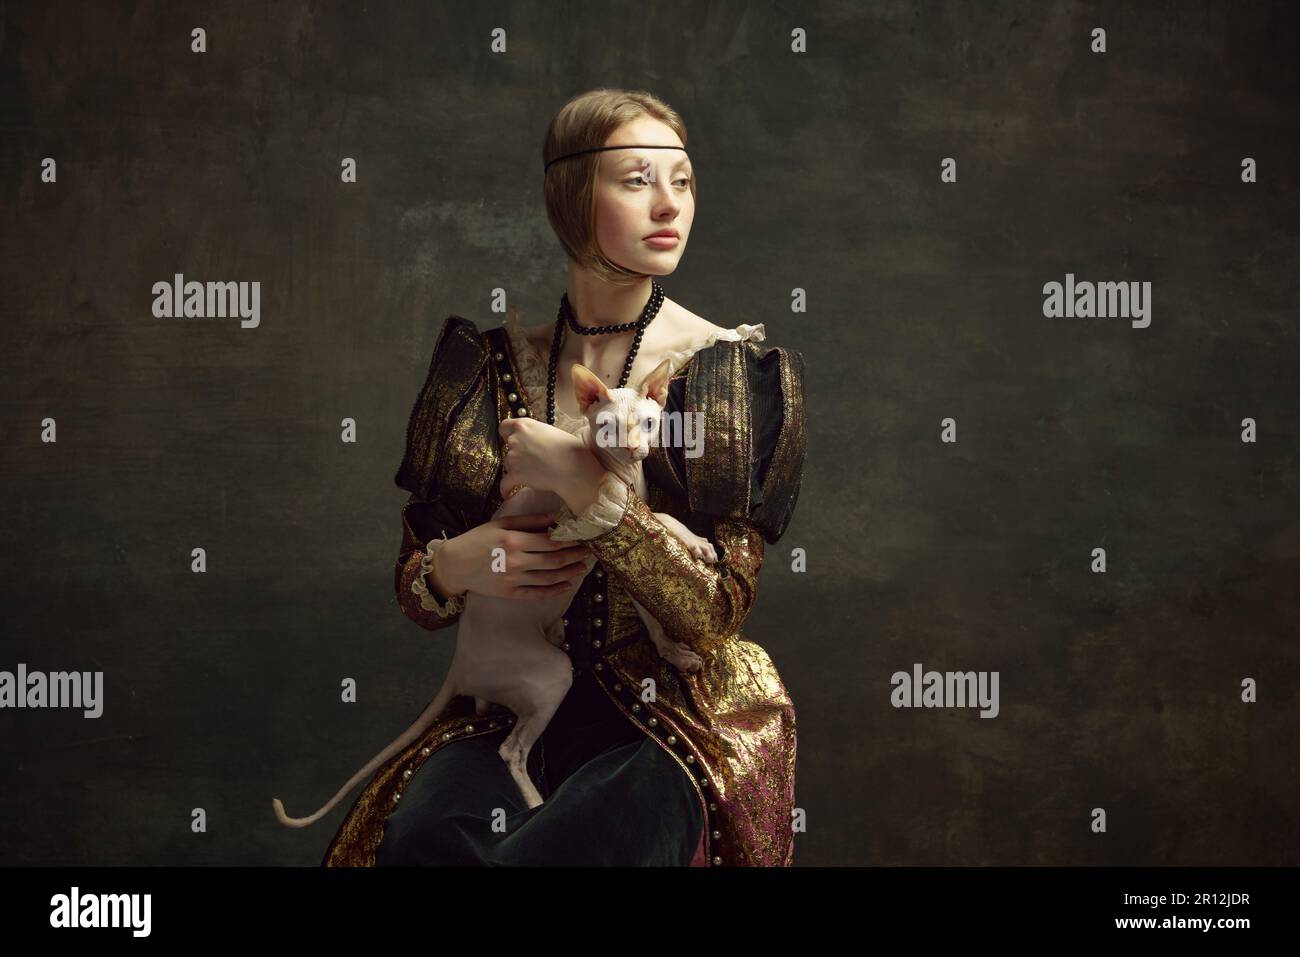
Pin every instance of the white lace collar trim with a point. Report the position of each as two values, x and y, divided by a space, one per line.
532 367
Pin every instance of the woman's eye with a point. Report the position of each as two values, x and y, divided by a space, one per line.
639 180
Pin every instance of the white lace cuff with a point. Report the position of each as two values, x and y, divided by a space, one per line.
612 497
428 600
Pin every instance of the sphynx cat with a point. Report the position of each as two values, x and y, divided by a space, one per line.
507 649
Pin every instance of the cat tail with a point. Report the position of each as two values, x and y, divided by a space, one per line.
435 708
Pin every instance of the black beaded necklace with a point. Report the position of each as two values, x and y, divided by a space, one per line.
566 316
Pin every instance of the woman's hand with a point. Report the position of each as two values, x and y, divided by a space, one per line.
548 459
534 566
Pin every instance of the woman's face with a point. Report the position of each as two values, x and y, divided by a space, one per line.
641 191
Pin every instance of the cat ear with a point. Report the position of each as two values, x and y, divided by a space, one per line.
655 385
587 387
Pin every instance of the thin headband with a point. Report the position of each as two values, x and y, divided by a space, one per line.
601 149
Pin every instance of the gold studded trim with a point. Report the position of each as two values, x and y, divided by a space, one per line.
711 827
508 380
362 829
440 740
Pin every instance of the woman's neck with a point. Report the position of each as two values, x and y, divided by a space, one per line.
596 302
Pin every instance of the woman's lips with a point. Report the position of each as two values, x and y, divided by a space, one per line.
662 242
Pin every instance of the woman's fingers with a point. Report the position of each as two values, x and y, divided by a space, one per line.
544 584
541 565
555 566
541 591
563 575
530 522
542 543
555 557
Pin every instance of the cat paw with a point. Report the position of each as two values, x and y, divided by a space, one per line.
680 656
703 549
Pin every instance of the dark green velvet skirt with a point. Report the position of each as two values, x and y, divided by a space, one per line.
611 797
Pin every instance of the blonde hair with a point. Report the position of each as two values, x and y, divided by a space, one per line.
586 122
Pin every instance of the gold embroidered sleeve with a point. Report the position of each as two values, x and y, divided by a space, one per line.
701 604
455 370
425 522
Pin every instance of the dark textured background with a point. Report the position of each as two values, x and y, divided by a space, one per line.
817 171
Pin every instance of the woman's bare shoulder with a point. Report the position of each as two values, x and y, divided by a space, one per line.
689 328
682 330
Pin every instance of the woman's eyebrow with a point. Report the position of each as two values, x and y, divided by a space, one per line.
639 161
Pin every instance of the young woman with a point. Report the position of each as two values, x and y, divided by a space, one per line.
643 763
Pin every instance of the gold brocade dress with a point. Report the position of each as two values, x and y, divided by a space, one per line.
729 728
